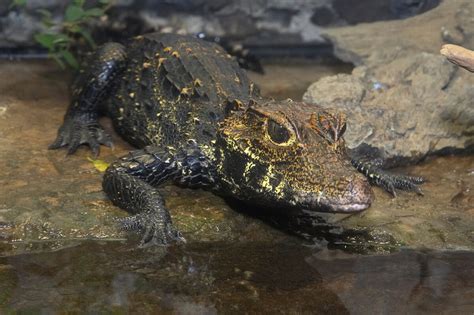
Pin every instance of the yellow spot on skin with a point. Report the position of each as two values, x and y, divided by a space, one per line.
167 49
175 54
160 61
197 82
238 104
265 183
186 91
146 65
236 79
132 95
279 188
189 50
139 37
248 167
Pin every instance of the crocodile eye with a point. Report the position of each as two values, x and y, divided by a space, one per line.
278 133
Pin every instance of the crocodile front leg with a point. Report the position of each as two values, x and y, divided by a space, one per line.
369 161
81 124
131 184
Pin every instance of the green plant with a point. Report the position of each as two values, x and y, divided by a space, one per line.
60 37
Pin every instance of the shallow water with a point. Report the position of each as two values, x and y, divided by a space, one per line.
61 252
237 277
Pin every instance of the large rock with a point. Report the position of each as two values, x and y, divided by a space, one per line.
403 97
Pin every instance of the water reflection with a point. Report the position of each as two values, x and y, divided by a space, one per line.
253 277
403 283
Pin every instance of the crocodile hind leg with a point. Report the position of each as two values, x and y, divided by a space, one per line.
81 124
369 161
131 184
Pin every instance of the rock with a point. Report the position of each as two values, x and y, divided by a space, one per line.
403 97
375 10
324 16
250 21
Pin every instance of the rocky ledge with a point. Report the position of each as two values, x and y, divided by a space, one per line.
403 97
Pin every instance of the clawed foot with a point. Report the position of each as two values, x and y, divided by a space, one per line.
75 132
370 161
155 232
391 182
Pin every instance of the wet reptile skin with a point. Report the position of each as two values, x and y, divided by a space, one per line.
201 123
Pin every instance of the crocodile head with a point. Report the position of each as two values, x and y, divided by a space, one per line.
289 154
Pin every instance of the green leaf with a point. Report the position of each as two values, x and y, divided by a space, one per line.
74 13
61 38
58 60
94 12
46 40
46 17
105 2
69 58
17 3
79 3
44 13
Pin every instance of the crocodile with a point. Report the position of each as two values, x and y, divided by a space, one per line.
197 120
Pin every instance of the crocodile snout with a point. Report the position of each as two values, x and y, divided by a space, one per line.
357 196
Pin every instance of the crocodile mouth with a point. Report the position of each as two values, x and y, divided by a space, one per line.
321 204
350 207
357 197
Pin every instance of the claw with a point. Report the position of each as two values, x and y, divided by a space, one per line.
58 143
154 233
391 182
389 187
75 132
104 138
371 167
72 148
419 191
95 147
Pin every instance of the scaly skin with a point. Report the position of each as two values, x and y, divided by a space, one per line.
201 123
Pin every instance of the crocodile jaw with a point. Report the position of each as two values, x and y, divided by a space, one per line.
357 197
